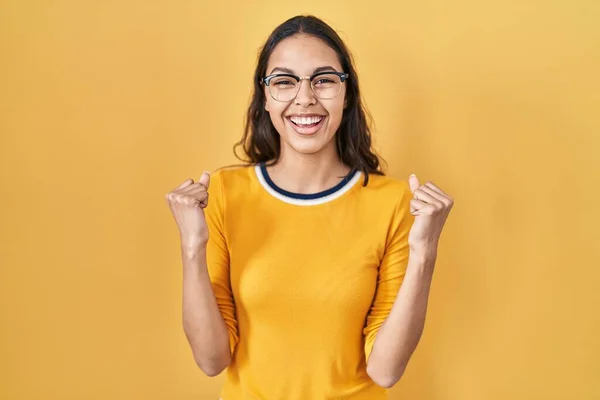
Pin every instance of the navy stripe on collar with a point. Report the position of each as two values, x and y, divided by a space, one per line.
301 196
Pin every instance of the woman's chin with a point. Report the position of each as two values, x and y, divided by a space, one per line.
304 146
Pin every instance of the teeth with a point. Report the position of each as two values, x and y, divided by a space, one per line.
306 120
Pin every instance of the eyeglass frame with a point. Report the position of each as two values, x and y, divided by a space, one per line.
267 79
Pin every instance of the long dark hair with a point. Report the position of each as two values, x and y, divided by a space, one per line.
261 141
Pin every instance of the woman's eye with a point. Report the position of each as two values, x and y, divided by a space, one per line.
323 81
282 83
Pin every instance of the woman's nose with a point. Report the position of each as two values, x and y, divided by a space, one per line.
305 96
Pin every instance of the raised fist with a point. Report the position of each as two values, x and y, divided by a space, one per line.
187 202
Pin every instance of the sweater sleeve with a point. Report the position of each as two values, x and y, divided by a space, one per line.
392 268
217 256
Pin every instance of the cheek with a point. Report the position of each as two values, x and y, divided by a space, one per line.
275 108
276 111
336 109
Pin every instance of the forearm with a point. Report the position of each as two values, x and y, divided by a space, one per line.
400 333
203 323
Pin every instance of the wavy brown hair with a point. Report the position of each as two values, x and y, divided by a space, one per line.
261 141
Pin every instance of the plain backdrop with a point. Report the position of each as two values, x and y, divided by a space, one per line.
107 105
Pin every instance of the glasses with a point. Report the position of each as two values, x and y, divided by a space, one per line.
285 87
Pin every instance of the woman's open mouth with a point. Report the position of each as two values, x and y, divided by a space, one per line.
306 125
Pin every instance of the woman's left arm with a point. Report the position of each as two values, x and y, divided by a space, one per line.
401 331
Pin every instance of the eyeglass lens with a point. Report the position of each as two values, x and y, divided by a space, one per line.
285 88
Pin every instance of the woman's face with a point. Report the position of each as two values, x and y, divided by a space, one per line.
306 124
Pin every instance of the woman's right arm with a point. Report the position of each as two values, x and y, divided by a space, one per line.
203 324
210 339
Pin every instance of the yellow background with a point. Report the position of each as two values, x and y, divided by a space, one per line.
107 105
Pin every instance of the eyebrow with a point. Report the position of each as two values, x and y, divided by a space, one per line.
289 71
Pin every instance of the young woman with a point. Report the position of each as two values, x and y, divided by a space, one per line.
313 283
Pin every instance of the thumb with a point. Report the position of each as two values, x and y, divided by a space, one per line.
205 179
413 182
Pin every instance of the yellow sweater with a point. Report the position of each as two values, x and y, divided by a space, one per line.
305 281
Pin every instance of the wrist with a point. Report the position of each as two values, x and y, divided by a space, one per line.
193 241
193 249
424 251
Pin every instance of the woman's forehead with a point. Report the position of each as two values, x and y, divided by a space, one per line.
302 54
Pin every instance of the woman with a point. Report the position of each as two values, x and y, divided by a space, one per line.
314 282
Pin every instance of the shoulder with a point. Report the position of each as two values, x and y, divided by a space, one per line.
387 187
232 176
384 198
391 198
232 184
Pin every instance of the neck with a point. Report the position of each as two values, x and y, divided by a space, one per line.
307 173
